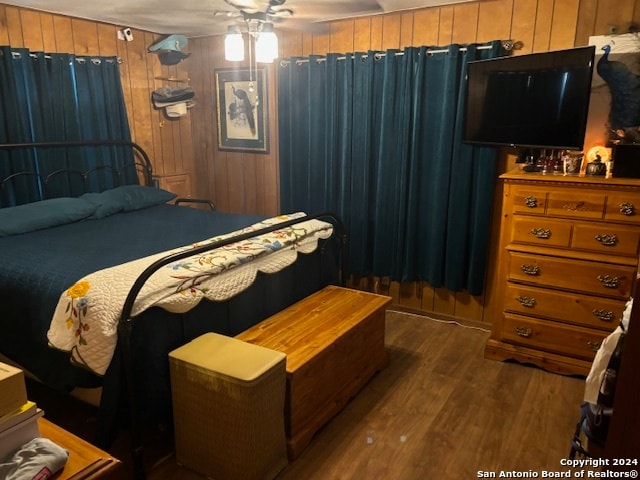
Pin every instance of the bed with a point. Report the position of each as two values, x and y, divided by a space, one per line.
87 213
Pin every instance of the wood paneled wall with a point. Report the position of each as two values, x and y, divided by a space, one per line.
185 153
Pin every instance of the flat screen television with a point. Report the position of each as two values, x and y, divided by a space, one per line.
539 100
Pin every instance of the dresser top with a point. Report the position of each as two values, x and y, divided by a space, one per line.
518 175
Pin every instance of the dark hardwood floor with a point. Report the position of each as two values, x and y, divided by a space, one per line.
439 410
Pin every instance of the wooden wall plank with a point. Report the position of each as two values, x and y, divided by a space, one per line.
48 32
585 27
616 13
236 167
428 298
426 27
31 30
542 32
465 23
4 32
468 307
14 27
444 301
376 33
445 32
361 34
64 34
563 28
141 84
391 25
321 43
307 44
523 24
342 37
495 21
107 39
406 30
290 43
85 37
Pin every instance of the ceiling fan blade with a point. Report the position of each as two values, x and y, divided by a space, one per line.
331 9
280 12
227 13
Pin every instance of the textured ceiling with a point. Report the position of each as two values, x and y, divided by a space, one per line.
195 18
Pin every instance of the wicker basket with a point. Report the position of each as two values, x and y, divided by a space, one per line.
228 407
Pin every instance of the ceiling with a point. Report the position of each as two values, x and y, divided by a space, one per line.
195 18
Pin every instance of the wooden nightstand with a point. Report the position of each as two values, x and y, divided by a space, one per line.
85 461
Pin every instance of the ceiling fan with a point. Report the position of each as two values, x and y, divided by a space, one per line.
306 11
252 11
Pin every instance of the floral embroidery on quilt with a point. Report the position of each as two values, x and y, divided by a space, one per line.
77 309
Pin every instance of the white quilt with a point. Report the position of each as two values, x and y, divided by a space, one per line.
86 317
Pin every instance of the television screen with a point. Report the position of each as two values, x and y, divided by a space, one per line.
537 100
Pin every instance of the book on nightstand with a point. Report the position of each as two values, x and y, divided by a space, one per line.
18 415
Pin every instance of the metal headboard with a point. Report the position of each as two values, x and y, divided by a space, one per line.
113 164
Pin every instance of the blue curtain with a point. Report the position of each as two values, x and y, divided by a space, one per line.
58 97
376 138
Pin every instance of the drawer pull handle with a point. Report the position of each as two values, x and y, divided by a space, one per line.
594 346
607 240
526 301
604 315
627 209
541 232
531 202
523 332
608 282
530 269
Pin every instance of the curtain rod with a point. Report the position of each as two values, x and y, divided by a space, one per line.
80 59
507 45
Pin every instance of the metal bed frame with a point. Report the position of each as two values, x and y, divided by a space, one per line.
126 322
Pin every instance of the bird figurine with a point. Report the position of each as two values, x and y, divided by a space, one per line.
624 86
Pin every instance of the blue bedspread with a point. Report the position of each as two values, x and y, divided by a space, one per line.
49 261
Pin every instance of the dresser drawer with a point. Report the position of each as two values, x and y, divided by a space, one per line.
623 207
541 231
574 275
532 201
552 337
584 310
576 204
606 238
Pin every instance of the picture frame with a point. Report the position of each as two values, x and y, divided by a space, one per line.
242 110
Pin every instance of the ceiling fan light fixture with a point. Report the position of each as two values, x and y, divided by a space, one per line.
266 44
233 44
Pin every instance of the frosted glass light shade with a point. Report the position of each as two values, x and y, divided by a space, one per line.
233 45
266 45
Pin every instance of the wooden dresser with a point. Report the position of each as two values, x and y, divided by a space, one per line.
567 264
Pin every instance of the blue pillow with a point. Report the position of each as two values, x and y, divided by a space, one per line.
44 214
137 196
104 204
126 198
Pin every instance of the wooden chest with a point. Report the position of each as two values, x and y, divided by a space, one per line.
567 265
334 342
